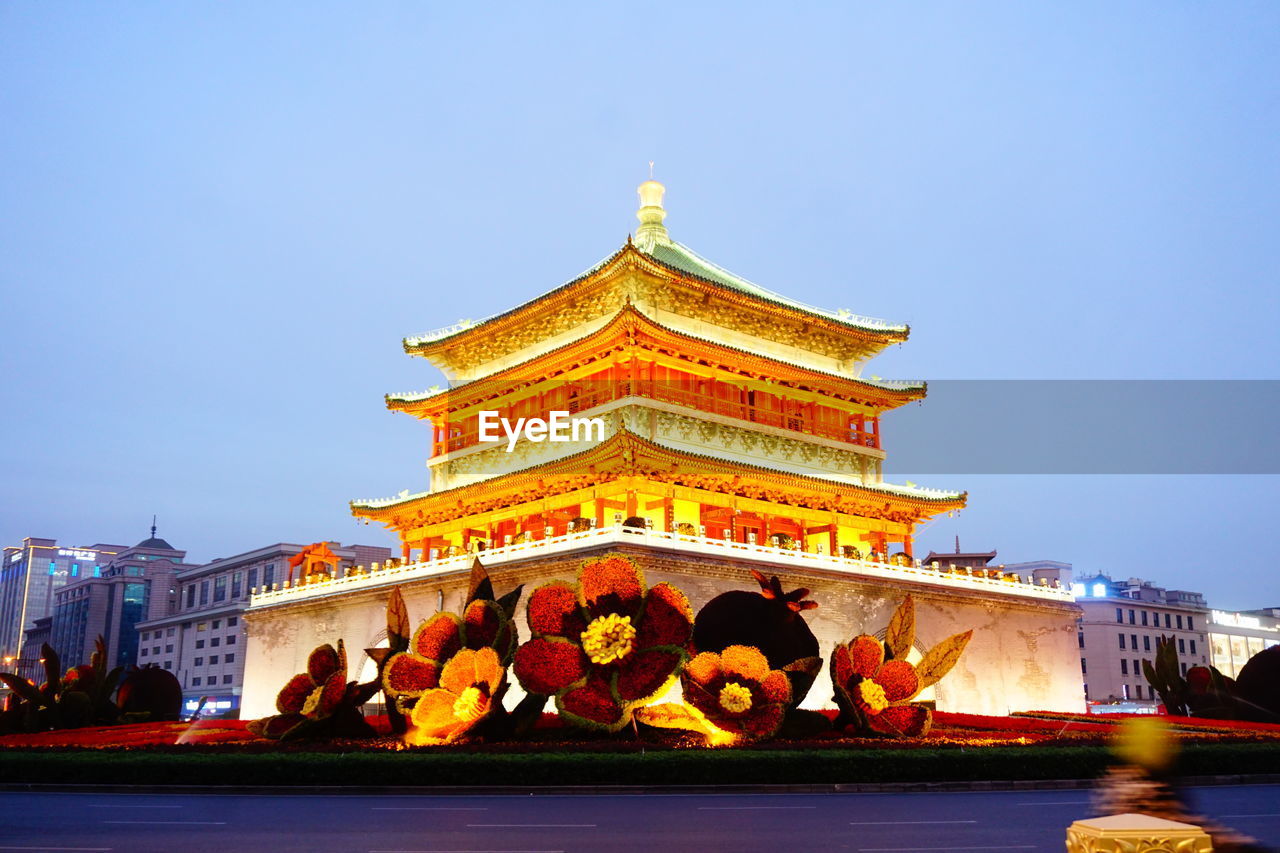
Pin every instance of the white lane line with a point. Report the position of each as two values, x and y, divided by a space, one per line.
82 849
426 809
919 849
1230 815
531 825
171 822
1057 803
904 822
114 806
747 808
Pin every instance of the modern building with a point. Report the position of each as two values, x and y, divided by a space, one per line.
201 639
701 424
1234 637
135 585
1119 627
30 576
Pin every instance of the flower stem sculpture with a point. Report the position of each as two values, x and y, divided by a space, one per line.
874 683
451 677
605 645
79 697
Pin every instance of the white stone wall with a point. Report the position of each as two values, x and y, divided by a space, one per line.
1023 655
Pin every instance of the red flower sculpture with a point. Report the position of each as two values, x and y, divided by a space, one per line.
605 645
484 624
737 692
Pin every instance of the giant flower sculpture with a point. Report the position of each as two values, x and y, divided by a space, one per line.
317 702
737 692
471 687
484 624
604 645
874 683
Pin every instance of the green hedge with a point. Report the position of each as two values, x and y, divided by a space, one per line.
671 767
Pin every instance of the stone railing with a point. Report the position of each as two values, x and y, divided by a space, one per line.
993 580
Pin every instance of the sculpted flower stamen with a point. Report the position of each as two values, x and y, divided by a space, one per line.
871 695
609 638
735 698
471 705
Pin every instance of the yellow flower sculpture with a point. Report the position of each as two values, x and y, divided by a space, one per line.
471 686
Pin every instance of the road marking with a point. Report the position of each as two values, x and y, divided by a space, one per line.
918 849
1230 815
426 809
1057 803
747 808
531 825
458 851
904 822
172 822
113 806
83 849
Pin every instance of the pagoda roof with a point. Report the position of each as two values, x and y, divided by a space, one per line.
683 261
898 392
627 454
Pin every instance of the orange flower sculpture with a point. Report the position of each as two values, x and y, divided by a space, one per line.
737 692
604 645
874 682
483 624
471 687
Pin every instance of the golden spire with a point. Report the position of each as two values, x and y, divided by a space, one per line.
651 213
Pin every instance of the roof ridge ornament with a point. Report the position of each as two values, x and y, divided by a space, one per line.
651 214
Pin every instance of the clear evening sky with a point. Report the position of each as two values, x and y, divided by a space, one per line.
217 221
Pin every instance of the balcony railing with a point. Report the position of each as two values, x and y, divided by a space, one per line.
990 580
667 392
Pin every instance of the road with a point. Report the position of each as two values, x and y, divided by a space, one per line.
790 823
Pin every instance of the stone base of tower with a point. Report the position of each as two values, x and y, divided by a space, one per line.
1023 655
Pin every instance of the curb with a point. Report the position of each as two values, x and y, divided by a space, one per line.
620 790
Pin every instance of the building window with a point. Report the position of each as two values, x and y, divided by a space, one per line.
1121 636
213 659
1133 642
1124 666
168 648
169 633
1193 647
199 661
1179 620
231 640
268 575
1084 668
215 641
204 593
233 621
229 658
236 580
168 664
1146 643
191 595
1166 621
199 644
200 626
195 682
144 653
1131 620
217 623
1190 625
220 588
146 635
1184 669
1138 690
155 650
1119 615
253 578
226 679
1080 639
1182 646
1144 617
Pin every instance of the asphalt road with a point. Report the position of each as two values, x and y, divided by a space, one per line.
777 823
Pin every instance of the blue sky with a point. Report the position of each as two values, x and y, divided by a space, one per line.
217 221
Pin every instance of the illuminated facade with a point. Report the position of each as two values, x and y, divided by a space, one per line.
724 427
30 576
1236 637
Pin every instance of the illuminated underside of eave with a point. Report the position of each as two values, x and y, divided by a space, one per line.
870 341
611 338
627 455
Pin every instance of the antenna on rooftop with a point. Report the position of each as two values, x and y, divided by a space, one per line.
153 527
957 543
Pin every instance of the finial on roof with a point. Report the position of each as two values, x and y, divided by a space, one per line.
957 543
153 527
651 214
